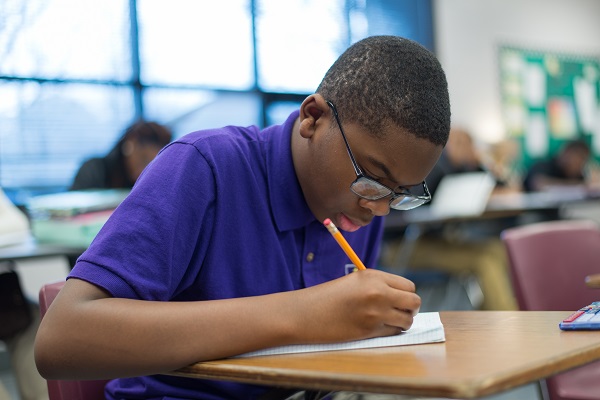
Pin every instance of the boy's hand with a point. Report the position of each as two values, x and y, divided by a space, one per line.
361 305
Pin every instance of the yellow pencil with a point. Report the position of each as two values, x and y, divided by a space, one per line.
337 235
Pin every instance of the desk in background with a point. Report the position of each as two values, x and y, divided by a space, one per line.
502 205
38 263
503 210
486 352
455 257
32 249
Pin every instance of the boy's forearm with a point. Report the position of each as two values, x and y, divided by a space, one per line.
75 341
88 335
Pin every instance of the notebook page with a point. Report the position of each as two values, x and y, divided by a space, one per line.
427 328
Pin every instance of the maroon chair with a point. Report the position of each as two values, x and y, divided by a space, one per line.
549 262
68 390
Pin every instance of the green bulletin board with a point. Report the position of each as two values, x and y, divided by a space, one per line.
548 99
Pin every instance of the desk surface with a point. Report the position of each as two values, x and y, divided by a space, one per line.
32 249
499 205
485 352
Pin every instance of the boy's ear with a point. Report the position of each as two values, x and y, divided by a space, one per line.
312 109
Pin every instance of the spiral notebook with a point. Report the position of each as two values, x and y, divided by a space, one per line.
427 328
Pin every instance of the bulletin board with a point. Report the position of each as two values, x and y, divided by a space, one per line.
549 98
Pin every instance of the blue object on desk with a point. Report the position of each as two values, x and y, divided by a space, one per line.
586 318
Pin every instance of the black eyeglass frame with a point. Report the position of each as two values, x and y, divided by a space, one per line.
415 200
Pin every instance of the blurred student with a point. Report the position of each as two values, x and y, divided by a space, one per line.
460 155
567 168
121 167
503 159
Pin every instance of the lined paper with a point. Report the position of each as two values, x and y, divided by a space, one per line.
427 328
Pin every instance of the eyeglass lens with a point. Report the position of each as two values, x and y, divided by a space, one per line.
372 190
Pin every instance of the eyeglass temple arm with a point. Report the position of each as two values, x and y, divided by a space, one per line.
427 192
337 119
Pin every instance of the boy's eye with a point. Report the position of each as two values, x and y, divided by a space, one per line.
373 176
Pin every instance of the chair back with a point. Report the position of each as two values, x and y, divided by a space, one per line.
549 262
68 390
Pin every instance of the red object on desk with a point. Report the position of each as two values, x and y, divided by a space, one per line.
573 316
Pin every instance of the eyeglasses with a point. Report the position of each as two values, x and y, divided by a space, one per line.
368 188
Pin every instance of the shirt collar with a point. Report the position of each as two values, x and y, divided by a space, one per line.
290 209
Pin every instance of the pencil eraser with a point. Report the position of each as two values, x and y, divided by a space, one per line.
327 221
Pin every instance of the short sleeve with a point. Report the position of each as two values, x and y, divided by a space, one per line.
153 245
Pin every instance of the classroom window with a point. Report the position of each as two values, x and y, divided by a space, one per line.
75 73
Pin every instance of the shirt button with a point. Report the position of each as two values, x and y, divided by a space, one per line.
310 256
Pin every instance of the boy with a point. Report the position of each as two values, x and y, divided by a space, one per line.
222 235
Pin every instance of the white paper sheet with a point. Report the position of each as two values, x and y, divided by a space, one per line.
427 328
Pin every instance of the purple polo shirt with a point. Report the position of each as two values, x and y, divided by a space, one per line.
218 214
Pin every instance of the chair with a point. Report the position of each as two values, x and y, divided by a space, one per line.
549 262
68 390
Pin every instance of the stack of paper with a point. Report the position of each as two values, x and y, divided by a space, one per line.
72 218
14 226
69 204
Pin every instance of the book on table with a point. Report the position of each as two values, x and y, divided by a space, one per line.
72 218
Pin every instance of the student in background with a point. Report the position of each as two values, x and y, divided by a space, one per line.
503 159
220 247
459 155
121 167
567 168
462 155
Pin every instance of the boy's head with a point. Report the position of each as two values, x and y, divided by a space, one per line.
372 132
390 80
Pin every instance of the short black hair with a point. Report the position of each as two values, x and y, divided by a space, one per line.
148 132
383 80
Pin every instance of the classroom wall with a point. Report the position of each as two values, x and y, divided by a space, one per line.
468 33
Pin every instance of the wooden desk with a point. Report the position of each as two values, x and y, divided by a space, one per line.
485 352
503 210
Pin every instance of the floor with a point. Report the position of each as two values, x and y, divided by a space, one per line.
6 377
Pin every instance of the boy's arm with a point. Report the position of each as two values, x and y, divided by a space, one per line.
86 334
